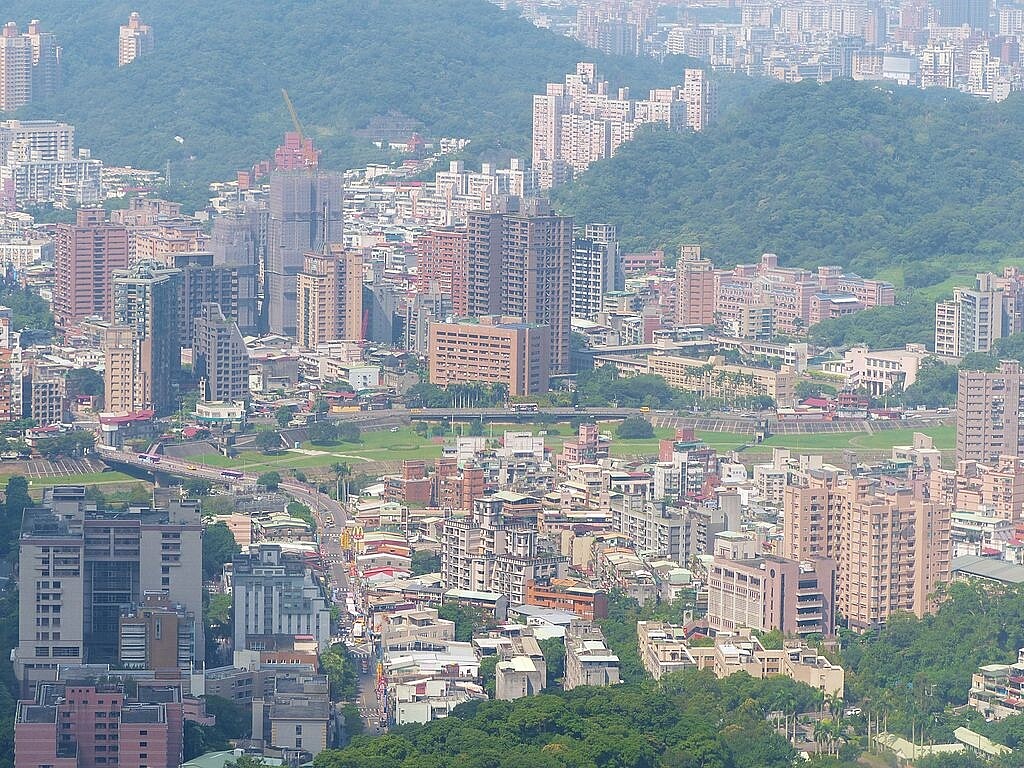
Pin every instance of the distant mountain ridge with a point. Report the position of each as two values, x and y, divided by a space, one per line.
460 67
868 176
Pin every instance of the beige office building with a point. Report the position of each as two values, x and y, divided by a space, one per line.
716 378
491 351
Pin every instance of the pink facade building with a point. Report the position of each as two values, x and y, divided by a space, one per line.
86 724
797 298
86 254
442 259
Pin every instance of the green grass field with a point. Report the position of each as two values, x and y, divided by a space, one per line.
407 444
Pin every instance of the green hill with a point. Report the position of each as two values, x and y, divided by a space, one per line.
462 67
849 173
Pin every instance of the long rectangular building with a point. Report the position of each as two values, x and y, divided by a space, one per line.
491 351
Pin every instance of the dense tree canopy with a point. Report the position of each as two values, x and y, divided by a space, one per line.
689 720
858 174
635 428
918 666
219 547
602 387
912 320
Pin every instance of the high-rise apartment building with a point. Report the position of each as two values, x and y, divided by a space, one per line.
86 254
988 414
329 297
494 548
490 351
135 39
239 241
892 546
305 215
596 269
36 139
275 594
219 357
700 96
895 550
520 265
39 165
203 282
147 302
15 68
972 320
695 288
79 567
29 65
442 259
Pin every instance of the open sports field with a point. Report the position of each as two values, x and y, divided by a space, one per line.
389 447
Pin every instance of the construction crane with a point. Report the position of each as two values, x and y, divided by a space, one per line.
293 113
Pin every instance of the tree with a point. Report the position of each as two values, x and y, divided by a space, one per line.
469 621
197 486
74 442
488 674
83 382
425 561
323 433
16 499
269 480
935 386
268 441
554 658
284 415
635 428
349 433
246 761
340 668
219 546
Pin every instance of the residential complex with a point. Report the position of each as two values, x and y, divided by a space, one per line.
891 546
972 320
664 648
305 214
29 65
274 594
581 120
86 255
520 265
329 297
588 660
142 348
219 357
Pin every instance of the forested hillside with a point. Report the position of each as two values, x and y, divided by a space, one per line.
858 174
462 67
690 720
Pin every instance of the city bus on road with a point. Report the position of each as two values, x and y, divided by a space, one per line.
149 458
232 474
525 408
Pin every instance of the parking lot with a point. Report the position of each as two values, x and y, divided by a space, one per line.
60 467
